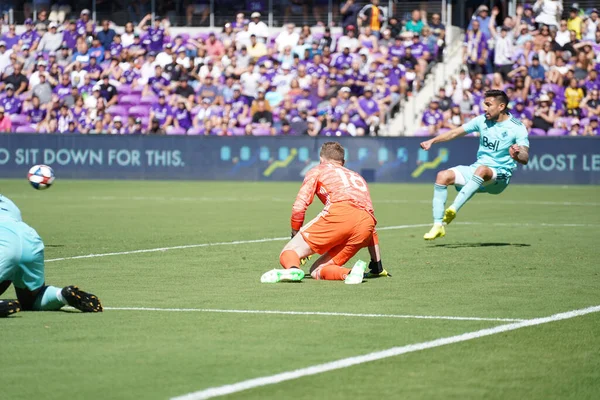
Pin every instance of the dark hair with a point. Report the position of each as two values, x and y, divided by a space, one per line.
500 97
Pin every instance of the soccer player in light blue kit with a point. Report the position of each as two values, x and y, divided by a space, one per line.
22 264
502 143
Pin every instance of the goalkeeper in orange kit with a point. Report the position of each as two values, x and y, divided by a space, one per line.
346 225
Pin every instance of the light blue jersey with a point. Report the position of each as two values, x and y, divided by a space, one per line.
9 210
495 140
21 249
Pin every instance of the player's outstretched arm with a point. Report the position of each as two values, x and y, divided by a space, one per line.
444 137
519 153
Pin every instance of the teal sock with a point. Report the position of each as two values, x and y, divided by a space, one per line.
440 194
467 192
50 300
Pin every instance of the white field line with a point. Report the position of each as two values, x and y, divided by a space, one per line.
316 313
238 242
287 200
378 355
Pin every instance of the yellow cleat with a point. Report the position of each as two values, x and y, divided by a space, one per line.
383 273
304 260
435 232
449 215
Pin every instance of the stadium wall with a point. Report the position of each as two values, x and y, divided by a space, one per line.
553 160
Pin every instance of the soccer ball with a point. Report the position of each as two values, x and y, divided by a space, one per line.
41 177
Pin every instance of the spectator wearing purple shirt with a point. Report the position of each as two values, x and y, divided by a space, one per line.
521 113
29 37
36 115
417 48
63 89
156 35
64 117
397 49
369 111
162 112
592 82
11 104
182 118
131 76
239 103
317 67
116 47
70 35
93 69
344 60
433 117
355 79
305 100
84 18
475 49
11 38
333 129
157 83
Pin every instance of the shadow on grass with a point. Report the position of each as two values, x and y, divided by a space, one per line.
54 245
488 244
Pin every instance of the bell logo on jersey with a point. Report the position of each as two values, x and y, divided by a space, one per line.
489 144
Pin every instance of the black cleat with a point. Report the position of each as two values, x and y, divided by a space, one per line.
9 307
83 301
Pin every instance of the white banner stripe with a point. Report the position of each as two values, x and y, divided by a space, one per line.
378 355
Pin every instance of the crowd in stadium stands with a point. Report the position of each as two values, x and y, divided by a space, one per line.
546 61
240 80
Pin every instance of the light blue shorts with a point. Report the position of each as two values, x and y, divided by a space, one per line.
496 185
21 255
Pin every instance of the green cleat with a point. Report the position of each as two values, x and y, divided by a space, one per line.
357 273
9 307
282 275
436 231
449 215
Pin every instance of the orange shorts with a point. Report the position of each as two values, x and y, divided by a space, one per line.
342 232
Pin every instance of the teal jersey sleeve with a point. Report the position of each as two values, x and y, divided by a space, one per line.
9 210
474 125
521 135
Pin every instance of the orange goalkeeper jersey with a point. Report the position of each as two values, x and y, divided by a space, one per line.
332 184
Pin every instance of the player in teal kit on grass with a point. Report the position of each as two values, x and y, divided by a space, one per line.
22 265
502 143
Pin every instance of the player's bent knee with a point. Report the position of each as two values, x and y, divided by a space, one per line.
445 177
484 172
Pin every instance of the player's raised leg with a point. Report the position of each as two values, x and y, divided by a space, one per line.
440 195
481 175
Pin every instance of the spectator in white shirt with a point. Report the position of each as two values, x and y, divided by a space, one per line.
258 28
503 47
287 38
348 40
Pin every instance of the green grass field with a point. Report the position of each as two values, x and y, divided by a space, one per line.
530 252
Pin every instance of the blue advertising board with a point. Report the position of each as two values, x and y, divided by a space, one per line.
552 161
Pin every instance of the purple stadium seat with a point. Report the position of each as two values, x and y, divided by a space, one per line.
121 110
130 99
171 130
196 131
137 90
238 131
140 111
24 129
185 37
24 96
537 132
424 131
124 89
259 131
557 132
19 119
149 100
